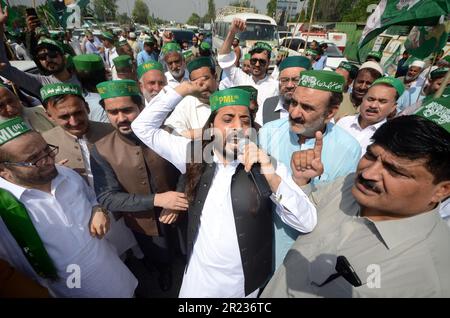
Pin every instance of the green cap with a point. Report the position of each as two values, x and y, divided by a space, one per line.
391 81
247 57
148 39
253 91
204 61
311 52
57 89
122 61
118 88
447 58
171 47
108 35
295 61
261 46
205 46
439 72
322 80
375 54
11 129
122 43
229 97
88 62
145 67
349 67
47 41
438 111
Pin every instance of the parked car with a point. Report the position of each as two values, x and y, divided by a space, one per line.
183 35
295 46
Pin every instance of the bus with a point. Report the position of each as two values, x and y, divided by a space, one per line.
259 28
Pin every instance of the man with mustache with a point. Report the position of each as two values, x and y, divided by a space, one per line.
151 79
191 113
367 74
175 63
313 104
230 231
379 232
49 56
51 226
75 134
131 179
379 102
276 107
260 62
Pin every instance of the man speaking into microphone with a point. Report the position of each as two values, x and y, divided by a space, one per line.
230 231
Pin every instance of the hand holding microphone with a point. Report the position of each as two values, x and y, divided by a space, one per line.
249 154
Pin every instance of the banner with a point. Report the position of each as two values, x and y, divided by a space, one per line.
425 40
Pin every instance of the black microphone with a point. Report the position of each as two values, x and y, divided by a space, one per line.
253 173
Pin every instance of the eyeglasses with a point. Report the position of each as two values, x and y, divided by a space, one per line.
262 62
50 54
344 269
51 151
285 80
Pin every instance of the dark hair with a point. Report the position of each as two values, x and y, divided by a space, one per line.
212 69
374 73
90 79
55 100
204 52
335 99
138 100
414 137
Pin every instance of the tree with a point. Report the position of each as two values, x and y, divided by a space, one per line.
194 19
243 4
140 12
272 8
359 11
105 10
211 14
123 18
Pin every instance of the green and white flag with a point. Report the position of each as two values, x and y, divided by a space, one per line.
425 40
68 12
403 12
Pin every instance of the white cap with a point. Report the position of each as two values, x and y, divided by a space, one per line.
132 35
418 63
373 65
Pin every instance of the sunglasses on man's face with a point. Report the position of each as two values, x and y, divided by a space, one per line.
262 62
50 54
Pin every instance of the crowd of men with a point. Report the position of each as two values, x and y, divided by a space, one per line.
292 182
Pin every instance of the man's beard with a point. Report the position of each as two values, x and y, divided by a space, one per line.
58 69
177 74
149 96
36 179
409 79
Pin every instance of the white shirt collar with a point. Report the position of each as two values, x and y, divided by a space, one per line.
373 127
280 107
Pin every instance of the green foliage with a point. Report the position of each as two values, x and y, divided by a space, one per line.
194 19
359 11
105 10
272 7
140 12
211 14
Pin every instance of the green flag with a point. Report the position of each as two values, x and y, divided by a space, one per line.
15 20
68 13
403 12
425 40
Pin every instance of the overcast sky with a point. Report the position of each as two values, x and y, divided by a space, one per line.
179 10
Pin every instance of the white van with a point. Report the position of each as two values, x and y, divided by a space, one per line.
259 28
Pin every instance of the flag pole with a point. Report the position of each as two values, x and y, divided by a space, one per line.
295 29
309 26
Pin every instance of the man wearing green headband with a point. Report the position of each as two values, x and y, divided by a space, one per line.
260 61
374 56
75 133
246 66
435 81
151 79
109 53
380 228
192 112
34 117
349 71
149 52
132 179
124 67
229 235
90 70
175 64
48 56
51 224
378 104
276 107
315 101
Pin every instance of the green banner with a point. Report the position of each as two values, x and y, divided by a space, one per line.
425 40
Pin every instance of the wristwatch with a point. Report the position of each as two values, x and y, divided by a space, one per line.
99 208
